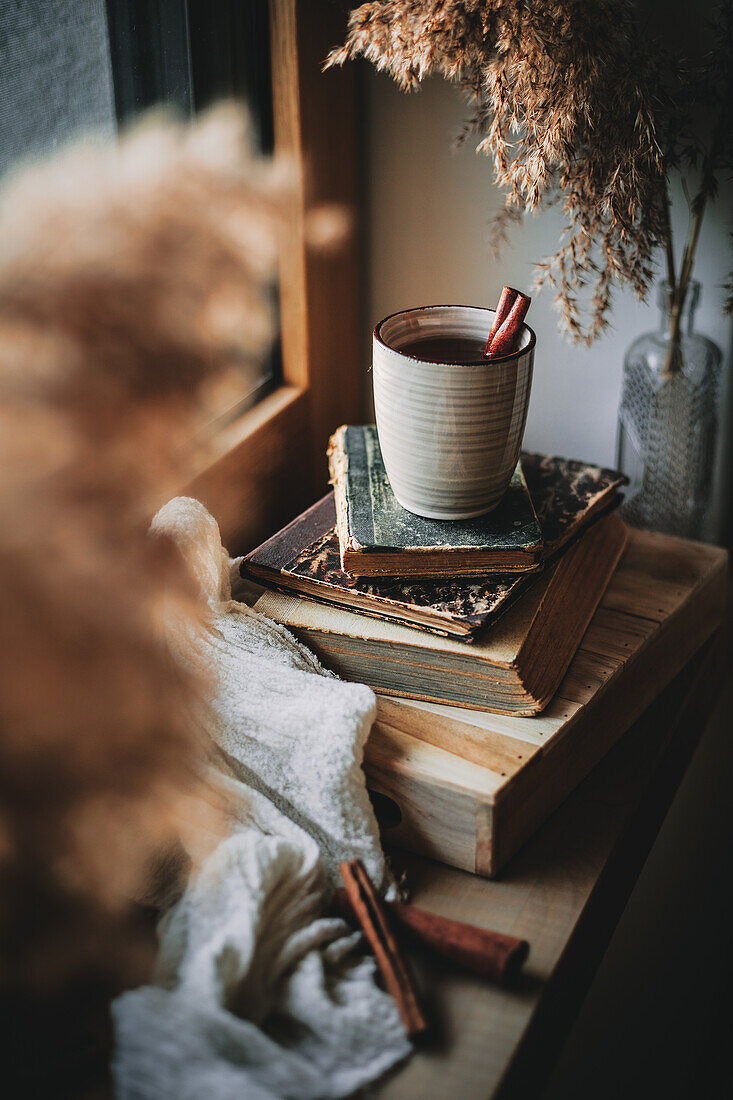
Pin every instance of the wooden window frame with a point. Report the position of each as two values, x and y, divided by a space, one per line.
270 463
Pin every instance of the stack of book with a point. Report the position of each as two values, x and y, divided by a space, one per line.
484 614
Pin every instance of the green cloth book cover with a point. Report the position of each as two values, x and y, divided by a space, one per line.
380 537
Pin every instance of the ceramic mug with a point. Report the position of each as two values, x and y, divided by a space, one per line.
450 433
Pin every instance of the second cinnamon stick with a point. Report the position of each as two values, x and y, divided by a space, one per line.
492 955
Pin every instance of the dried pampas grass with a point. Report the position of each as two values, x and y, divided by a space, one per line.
579 107
128 273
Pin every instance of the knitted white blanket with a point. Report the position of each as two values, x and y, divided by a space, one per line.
258 995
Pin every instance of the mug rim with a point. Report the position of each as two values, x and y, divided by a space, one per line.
464 363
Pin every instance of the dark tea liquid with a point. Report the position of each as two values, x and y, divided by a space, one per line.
445 349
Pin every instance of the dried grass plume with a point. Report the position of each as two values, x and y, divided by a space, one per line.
579 107
128 272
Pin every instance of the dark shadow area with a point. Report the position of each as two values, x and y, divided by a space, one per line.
656 1021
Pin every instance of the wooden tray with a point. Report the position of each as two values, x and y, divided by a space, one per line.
468 788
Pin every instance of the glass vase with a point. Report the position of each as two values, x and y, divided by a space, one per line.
668 424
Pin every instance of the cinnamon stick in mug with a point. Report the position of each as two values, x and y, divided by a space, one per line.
506 301
503 338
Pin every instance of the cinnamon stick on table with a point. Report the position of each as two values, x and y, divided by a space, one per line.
369 910
488 954
508 321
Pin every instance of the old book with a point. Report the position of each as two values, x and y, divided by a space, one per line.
304 557
515 669
378 537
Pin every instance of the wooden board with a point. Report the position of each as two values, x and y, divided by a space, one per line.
564 893
468 787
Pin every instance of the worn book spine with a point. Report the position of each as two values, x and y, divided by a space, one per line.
338 466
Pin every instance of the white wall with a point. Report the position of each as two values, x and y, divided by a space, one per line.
428 207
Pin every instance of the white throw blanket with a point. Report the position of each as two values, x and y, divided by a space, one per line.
258 995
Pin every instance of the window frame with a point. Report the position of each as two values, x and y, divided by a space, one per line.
270 463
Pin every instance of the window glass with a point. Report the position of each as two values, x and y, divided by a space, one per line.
74 66
55 75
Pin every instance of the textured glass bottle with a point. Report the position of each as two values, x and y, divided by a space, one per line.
668 425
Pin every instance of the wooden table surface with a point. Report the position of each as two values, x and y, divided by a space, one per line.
564 892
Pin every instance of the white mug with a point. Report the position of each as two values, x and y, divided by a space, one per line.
450 433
